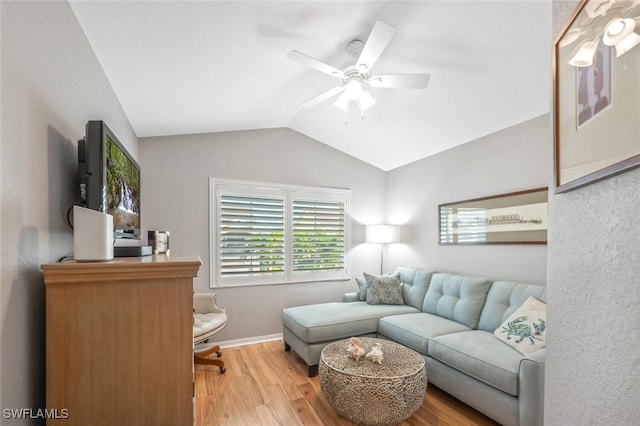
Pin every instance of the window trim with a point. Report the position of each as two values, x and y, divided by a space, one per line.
288 193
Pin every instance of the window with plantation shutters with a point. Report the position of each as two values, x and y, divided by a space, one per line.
318 236
266 233
251 235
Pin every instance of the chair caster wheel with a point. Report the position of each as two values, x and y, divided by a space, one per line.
222 370
219 353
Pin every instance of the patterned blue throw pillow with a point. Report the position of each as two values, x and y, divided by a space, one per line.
384 289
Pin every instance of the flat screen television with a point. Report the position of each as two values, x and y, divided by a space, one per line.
109 179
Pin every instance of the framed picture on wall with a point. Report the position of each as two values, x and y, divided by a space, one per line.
596 65
513 218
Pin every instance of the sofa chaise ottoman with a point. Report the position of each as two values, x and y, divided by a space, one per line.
308 329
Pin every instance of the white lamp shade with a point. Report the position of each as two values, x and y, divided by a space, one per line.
366 100
617 30
353 90
383 234
342 102
627 44
585 53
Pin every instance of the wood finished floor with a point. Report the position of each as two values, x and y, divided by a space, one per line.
264 385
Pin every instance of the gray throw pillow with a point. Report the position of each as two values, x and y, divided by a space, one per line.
362 289
384 289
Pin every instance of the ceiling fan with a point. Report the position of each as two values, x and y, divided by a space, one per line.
355 78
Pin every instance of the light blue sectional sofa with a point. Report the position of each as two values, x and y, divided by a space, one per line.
449 319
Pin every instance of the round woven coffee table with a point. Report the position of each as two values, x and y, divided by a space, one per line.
369 393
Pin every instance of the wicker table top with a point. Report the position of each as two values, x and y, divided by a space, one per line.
399 361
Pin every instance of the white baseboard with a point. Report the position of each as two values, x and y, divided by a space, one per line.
249 340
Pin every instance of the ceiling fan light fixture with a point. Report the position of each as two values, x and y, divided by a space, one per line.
353 89
356 77
627 44
617 30
584 55
342 102
366 101
620 33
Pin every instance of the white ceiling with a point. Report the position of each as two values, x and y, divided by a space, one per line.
183 67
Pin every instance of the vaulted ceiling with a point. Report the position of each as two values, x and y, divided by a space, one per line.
182 67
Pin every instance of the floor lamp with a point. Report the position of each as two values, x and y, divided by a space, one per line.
382 234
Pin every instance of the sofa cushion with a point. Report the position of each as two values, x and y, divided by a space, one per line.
524 330
456 297
336 320
415 283
384 289
503 299
479 354
415 330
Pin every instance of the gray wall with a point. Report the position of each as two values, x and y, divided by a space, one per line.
176 173
52 84
593 293
175 197
514 159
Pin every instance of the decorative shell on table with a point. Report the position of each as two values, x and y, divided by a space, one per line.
356 351
376 354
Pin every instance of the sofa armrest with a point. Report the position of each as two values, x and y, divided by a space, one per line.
351 297
205 303
531 388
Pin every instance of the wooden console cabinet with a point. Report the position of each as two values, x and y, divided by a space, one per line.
120 341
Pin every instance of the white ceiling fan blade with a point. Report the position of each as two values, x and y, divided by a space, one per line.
314 63
323 97
380 36
400 81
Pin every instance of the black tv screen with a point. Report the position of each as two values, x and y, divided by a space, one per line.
110 179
